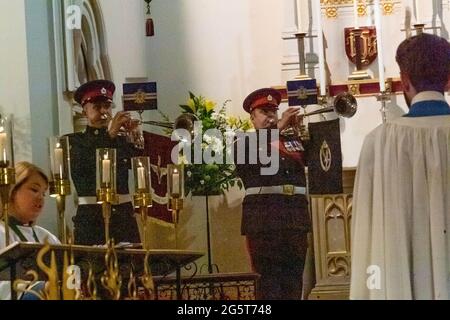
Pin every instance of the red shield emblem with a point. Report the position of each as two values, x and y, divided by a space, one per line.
368 43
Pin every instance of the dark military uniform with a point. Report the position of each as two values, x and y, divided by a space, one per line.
276 224
275 210
88 222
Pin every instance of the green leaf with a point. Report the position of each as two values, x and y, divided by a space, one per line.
192 96
186 108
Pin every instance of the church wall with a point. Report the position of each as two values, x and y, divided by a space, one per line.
26 83
42 89
125 37
14 86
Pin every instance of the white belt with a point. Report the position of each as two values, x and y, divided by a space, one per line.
287 189
123 198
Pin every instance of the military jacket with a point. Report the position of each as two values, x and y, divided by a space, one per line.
83 146
88 222
275 212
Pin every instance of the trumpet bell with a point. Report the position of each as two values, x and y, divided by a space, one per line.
345 105
184 121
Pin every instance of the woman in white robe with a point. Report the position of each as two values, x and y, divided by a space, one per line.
25 206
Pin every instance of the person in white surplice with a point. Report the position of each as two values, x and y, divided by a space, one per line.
401 217
26 202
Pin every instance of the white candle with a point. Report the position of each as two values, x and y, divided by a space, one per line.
355 14
175 183
58 152
106 170
299 17
379 45
141 178
318 14
3 146
417 9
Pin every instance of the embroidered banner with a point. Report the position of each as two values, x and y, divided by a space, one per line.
139 96
302 92
324 158
159 149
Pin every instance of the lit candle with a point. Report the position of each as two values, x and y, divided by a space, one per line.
3 147
379 45
58 162
141 178
106 167
355 11
320 48
176 182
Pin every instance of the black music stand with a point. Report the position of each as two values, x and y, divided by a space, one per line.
20 257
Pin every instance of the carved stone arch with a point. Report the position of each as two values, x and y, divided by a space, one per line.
90 52
90 45
103 48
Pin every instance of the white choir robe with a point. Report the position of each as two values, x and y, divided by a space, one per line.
401 215
41 233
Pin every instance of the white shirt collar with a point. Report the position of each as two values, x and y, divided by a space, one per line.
427 96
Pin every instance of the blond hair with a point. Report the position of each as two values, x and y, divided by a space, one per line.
24 170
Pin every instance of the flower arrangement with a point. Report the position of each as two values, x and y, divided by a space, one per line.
217 177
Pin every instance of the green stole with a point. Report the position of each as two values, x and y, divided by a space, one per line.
14 225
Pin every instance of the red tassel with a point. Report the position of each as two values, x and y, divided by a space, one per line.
149 28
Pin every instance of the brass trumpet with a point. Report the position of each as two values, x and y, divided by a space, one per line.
184 121
344 105
131 130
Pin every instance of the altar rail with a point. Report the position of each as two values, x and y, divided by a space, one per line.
221 286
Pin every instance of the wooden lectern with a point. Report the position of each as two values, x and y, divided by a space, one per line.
331 215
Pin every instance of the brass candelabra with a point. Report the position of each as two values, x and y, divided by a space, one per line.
59 180
142 194
7 172
7 180
106 185
175 191
143 201
176 206
107 197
